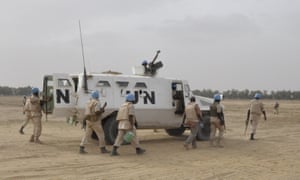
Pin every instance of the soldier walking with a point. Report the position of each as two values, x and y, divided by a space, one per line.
93 113
255 110
27 113
276 108
192 117
126 124
36 114
216 122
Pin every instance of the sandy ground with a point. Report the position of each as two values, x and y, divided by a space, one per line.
275 155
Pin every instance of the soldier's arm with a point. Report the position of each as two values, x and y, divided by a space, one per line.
265 115
264 112
198 112
248 114
131 119
221 115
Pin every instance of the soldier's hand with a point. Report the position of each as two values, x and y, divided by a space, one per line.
265 118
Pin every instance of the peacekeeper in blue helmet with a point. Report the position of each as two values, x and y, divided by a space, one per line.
34 109
217 122
126 124
255 110
93 113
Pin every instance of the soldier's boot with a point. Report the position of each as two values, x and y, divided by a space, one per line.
81 150
104 150
37 140
140 150
211 142
252 136
21 130
31 138
186 146
219 143
114 151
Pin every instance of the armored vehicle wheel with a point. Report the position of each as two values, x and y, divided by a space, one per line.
204 132
110 130
176 132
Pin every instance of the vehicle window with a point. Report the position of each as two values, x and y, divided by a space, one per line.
122 83
103 84
63 83
140 85
186 90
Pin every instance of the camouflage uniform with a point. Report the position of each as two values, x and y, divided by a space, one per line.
193 113
215 123
256 109
276 108
124 126
36 114
93 123
26 111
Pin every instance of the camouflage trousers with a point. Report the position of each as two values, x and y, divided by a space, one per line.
121 132
192 137
215 124
37 126
90 127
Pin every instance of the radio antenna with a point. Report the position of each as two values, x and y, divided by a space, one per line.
85 86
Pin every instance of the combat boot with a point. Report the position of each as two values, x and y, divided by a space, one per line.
31 138
104 150
37 141
140 151
219 143
212 142
81 150
252 136
21 130
186 146
114 151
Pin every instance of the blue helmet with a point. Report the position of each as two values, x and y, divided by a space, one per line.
144 62
35 90
95 94
257 96
217 97
130 97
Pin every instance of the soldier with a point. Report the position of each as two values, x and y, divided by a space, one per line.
93 113
216 121
126 124
36 115
276 108
147 70
192 117
27 113
254 112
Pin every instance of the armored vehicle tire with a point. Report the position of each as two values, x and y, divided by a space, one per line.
176 132
204 132
110 130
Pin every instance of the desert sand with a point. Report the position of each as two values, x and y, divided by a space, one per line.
274 155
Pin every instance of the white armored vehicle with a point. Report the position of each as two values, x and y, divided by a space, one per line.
159 104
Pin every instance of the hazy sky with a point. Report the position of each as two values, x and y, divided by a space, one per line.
214 44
